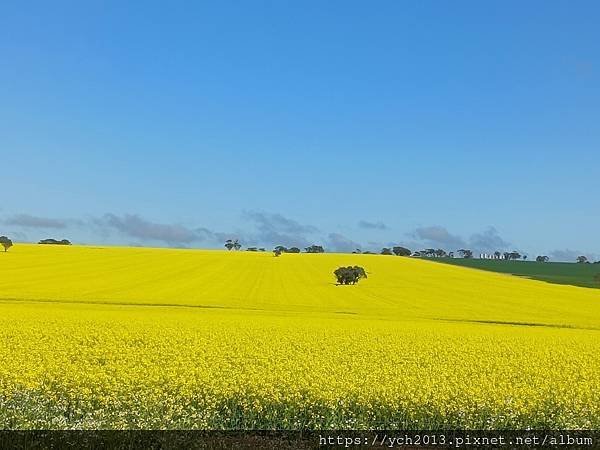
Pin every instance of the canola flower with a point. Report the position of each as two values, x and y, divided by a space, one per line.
182 339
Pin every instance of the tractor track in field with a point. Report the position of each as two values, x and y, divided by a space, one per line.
522 324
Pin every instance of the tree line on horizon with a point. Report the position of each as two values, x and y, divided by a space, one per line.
7 243
51 241
234 244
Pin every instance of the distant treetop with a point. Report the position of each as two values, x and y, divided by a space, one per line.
55 241
315 249
232 244
401 251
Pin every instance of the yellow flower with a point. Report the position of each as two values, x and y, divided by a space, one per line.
152 338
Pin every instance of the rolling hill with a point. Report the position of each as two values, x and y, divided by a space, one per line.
106 337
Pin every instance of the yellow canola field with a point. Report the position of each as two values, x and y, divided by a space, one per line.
107 337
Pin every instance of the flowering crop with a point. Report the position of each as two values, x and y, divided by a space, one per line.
148 338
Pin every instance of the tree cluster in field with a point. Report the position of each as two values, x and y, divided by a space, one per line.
282 249
349 275
314 249
398 251
512 256
51 241
584 260
277 251
5 242
231 244
234 244
441 253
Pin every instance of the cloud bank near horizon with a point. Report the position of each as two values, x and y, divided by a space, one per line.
29 221
262 229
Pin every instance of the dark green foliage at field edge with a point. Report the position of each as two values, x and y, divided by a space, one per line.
552 272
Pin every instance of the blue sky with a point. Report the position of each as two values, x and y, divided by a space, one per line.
343 123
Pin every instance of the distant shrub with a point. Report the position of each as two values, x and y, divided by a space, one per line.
55 242
465 253
315 249
401 251
349 275
386 251
231 244
293 250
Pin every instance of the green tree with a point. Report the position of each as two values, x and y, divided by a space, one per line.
55 241
582 259
514 255
465 253
5 242
349 275
401 251
386 251
315 249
